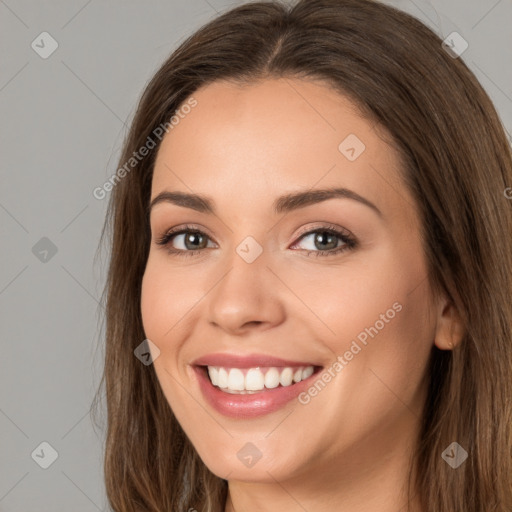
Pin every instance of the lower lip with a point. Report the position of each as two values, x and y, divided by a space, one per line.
244 406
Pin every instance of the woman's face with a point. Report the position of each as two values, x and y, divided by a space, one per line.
334 282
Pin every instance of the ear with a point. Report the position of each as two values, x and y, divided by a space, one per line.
449 326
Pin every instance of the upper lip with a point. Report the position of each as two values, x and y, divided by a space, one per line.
246 361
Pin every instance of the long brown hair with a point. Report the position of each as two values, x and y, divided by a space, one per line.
457 164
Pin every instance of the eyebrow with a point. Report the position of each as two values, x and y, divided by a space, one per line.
283 204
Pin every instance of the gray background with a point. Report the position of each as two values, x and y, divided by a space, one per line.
63 120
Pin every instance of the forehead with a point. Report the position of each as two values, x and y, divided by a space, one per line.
275 135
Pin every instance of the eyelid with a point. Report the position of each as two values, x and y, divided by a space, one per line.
180 229
324 225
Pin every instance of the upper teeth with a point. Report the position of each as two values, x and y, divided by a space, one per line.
254 379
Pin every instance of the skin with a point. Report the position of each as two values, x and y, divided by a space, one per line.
349 447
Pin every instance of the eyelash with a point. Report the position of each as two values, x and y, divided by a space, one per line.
349 242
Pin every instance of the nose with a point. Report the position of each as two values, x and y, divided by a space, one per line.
248 296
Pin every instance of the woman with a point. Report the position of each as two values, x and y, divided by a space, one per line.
308 299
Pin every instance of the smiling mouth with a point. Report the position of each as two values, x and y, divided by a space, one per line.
240 381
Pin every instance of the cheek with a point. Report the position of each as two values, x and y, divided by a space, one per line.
388 369
379 317
166 300
347 301
152 302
